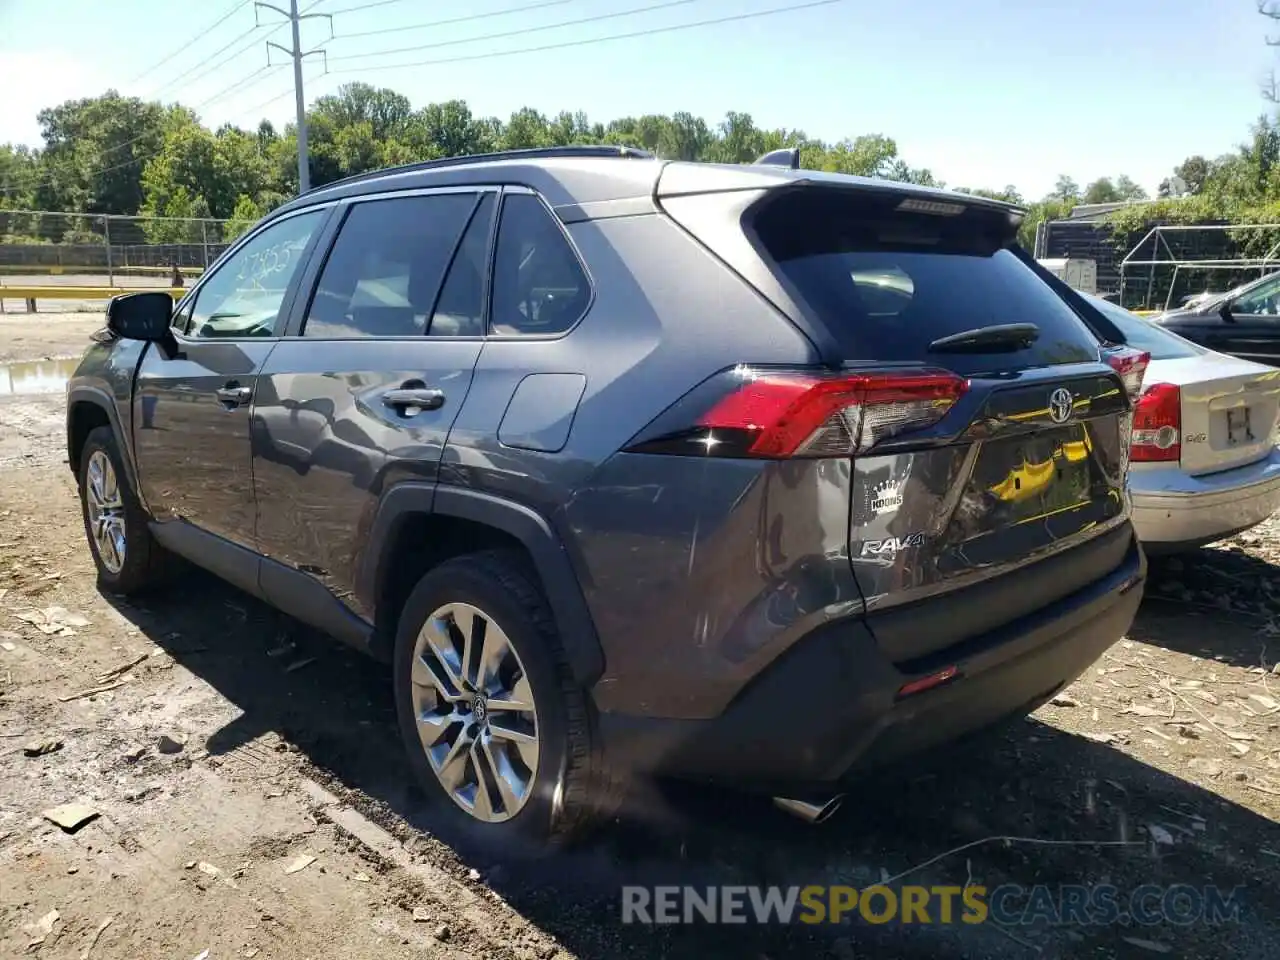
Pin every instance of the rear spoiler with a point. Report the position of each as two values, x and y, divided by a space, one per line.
787 157
779 169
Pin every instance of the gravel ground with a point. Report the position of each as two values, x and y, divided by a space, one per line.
226 746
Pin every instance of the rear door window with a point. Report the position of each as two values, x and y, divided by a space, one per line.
387 265
888 282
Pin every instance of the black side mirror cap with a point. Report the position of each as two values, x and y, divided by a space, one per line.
1224 312
141 316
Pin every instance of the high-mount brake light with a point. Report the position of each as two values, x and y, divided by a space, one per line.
784 414
1157 425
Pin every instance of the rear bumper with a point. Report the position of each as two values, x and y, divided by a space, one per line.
1174 510
829 707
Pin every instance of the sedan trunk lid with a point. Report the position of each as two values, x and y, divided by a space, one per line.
1229 410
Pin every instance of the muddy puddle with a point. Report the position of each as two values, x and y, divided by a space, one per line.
23 377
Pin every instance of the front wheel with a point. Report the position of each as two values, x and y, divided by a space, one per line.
498 733
126 555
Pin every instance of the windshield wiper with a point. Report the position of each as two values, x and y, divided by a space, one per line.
997 337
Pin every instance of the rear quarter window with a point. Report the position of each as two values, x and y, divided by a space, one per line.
1144 335
889 283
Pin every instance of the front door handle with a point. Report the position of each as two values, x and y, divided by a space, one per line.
233 395
424 398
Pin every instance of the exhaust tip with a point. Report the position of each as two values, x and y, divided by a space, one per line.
809 811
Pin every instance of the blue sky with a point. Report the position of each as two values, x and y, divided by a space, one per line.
984 92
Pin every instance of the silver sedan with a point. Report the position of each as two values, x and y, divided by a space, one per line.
1204 462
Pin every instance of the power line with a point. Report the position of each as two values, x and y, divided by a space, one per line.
181 48
452 20
595 18
120 146
653 31
244 82
279 96
266 103
173 81
363 6
249 81
214 68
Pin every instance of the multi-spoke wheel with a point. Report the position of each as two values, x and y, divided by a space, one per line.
127 557
106 511
475 712
489 711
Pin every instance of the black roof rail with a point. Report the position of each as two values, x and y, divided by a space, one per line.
788 157
530 153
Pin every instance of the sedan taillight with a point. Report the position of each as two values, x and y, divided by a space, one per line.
1131 364
1157 424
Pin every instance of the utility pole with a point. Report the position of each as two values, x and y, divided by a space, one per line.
296 53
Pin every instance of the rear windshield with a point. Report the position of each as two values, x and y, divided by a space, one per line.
1144 335
889 283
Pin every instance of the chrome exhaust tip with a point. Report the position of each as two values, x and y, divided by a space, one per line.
808 811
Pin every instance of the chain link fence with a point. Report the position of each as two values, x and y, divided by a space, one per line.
116 250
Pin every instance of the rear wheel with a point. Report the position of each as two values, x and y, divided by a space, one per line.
497 731
127 557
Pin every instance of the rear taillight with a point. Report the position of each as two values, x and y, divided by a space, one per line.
1157 424
1131 365
783 414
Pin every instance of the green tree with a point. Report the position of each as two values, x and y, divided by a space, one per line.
526 129
1009 194
1065 189
19 177
94 152
1128 189
1101 190
215 169
386 111
449 129
246 213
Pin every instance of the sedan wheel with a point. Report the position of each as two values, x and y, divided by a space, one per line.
106 512
475 712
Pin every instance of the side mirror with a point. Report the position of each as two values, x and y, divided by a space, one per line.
1224 312
141 316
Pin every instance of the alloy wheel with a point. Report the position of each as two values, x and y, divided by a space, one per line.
106 511
475 712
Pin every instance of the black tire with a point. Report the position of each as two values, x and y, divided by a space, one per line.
146 564
572 790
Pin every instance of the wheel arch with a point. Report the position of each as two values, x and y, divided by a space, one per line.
87 409
418 525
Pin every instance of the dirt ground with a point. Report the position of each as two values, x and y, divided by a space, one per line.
37 336
250 799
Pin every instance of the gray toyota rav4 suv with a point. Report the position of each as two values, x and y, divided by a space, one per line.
746 474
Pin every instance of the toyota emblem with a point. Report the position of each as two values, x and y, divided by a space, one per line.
1060 404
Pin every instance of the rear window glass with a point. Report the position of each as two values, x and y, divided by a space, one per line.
888 283
1143 335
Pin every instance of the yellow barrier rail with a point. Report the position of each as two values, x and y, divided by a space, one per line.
32 294
58 270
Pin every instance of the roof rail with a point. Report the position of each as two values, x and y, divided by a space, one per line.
532 153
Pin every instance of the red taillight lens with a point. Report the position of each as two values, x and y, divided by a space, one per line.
929 682
1157 424
777 415
1131 365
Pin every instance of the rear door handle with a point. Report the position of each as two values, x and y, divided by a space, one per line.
233 395
424 398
